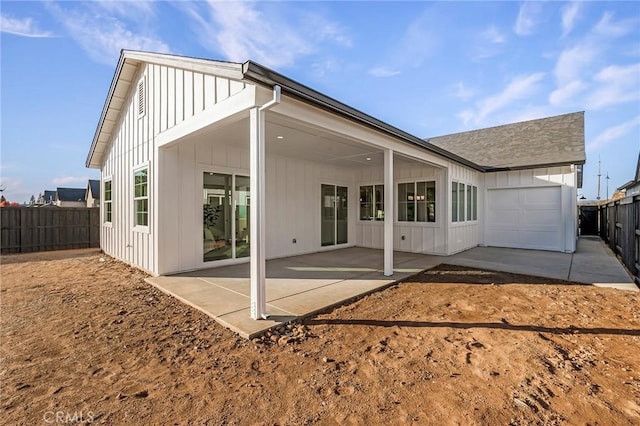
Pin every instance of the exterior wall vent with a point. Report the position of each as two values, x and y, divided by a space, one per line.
141 99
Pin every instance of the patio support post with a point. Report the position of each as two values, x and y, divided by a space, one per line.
388 212
256 213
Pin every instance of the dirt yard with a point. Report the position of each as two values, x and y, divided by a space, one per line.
86 340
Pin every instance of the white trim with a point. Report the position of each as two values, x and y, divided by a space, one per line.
233 172
146 229
218 115
389 212
333 183
103 202
415 222
358 215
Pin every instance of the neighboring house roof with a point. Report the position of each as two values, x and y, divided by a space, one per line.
94 187
547 142
626 185
635 181
49 196
71 194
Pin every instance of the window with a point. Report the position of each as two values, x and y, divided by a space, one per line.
464 202
107 201
454 201
417 202
141 197
372 202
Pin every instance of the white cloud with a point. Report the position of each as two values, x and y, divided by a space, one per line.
462 92
127 8
614 133
383 72
610 28
25 27
102 36
489 43
419 41
521 87
573 60
527 20
493 35
566 93
617 84
66 180
569 15
272 36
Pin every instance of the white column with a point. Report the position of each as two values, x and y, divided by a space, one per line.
257 214
389 216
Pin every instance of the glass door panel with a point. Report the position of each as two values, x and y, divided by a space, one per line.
243 201
341 215
217 216
333 215
328 215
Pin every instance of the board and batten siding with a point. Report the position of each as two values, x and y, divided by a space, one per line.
467 234
562 177
171 97
418 237
292 200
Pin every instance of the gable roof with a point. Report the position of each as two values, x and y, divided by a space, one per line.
71 194
550 141
94 187
49 196
122 81
246 72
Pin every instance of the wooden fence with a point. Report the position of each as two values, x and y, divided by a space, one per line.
620 229
31 229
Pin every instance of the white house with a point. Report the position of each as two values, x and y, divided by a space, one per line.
206 163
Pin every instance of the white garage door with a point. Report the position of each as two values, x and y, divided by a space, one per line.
525 218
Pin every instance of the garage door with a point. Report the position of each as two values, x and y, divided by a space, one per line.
525 218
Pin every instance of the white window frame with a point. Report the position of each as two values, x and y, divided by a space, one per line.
374 202
136 227
104 203
415 220
467 209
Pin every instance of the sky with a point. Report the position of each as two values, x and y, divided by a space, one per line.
429 68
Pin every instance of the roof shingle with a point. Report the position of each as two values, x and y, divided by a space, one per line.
547 141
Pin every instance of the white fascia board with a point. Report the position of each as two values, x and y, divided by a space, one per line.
344 128
121 83
230 70
229 110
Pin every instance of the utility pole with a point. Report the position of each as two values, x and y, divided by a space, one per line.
598 196
607 178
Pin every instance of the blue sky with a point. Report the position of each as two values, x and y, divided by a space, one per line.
428 68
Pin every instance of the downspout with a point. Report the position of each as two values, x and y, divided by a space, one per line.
258 177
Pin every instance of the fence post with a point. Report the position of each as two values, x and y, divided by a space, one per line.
23 229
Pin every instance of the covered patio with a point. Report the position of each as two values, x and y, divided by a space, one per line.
300 286
296 286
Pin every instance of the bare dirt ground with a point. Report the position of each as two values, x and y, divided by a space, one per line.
88 341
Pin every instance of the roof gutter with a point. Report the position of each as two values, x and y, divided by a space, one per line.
259 74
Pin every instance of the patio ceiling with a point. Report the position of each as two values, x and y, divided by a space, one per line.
290 138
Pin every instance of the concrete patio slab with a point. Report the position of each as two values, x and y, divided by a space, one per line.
302 285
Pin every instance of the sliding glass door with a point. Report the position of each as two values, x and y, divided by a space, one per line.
333 215
225 216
